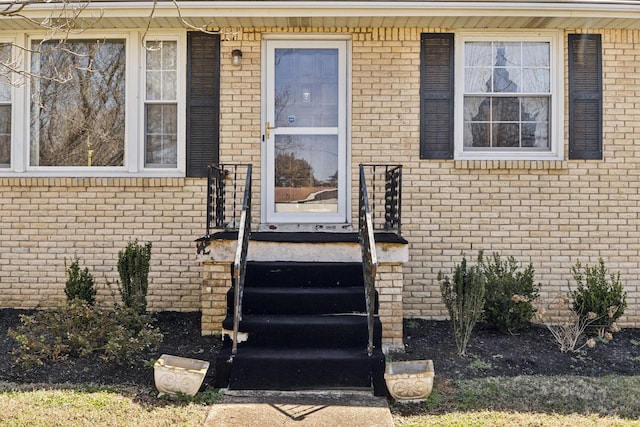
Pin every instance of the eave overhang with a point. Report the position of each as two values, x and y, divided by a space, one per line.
444 14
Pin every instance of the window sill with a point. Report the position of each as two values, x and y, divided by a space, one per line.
511 164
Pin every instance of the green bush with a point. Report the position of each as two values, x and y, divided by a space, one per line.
598 295
464 298
510 293
79 284
133 267
79 329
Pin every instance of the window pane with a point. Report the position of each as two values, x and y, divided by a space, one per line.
478 80
535 127
536 54
5 135
161 148
306 173
78 103
505 135
161 69
498 121
5 75
306 88
5 107
536 80
506 80
154 85
505 110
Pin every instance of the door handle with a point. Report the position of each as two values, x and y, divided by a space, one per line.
267 129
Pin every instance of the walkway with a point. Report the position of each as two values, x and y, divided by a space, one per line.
301 409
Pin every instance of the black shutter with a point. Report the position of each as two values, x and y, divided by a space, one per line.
585 97
203 102
436 96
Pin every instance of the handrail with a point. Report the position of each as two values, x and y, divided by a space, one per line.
240 260
223 196
369 256
386 180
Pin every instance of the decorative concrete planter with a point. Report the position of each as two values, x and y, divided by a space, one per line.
174 374
410 381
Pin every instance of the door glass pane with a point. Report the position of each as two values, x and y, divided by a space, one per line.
306 173
306 88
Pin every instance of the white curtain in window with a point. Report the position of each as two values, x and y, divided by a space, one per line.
498 67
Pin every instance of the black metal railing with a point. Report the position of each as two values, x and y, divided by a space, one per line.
225 196
240 261
369 257
386 206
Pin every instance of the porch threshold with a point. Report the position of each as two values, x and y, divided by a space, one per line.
306 237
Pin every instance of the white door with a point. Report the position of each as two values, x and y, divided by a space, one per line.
305 161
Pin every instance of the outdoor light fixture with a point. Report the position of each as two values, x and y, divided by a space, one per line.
236 57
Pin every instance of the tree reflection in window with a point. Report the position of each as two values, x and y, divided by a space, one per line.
78 103
5 106
515 112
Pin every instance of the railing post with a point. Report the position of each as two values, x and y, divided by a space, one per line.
369 256
240 260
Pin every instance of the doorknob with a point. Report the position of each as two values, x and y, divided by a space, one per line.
267 129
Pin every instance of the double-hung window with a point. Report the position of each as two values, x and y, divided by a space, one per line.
161 104
508 97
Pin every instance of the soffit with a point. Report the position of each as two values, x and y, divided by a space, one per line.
445 14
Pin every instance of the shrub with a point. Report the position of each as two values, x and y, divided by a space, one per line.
598 292
133 267
79 284
464 298
510 293
79 329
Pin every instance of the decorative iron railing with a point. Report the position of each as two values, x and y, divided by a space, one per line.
369 257
225 196
240 261
385 212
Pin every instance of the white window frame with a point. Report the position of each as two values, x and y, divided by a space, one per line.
134 114
556 113
181 72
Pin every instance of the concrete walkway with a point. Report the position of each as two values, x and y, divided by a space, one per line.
303 409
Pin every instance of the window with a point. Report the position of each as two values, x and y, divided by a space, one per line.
509 95
104 105
5 106
161 106
78 103
506 95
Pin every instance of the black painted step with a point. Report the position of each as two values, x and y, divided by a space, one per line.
306 331
303 274
302 369
287 300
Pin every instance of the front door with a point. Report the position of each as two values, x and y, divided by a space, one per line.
305 129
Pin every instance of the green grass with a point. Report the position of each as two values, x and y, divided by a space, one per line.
98 406
527 401
510 402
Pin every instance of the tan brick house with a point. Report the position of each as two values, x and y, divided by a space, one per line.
516 125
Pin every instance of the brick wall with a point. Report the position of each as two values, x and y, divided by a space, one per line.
548 213
49 221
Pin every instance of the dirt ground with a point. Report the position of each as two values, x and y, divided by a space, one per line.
490 353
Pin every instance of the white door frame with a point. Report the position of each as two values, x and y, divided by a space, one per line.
270 219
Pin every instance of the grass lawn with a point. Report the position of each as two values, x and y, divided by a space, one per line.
518 401
527 401
97 407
